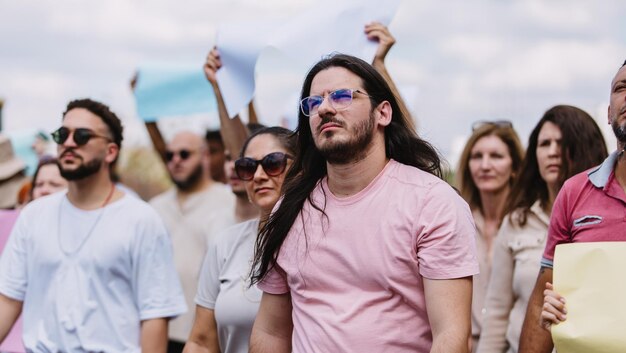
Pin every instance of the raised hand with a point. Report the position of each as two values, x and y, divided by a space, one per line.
211 65
380 33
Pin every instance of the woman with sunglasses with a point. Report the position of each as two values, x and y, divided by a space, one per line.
226 304
566 141
487 168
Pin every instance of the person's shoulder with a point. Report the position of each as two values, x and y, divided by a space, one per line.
165 197
411 174
237 232
220 190
415 177
44 203
136 208
577 182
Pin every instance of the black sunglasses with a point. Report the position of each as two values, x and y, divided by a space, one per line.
183 154
499 123
273 164
81 135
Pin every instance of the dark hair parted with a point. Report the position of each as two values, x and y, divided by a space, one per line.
465 182
309 167
104 113
582 147
285 137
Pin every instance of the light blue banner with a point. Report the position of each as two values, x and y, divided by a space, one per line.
170 91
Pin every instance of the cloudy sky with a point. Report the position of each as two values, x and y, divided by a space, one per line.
456 61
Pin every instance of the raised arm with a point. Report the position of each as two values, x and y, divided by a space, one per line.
378 32
233 131
273 327
10 310
448 303
534 338
153 129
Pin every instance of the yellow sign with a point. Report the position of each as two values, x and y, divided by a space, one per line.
592 279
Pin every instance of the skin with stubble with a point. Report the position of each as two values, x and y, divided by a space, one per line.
191 174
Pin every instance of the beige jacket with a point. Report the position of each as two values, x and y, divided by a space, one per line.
516 259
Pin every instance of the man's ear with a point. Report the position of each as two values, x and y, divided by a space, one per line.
113 151
384 113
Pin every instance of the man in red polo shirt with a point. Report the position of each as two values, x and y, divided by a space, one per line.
591 207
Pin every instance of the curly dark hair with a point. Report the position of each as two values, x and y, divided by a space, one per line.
103 112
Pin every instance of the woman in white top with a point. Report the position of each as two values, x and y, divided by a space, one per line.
226 305
566 141
487 169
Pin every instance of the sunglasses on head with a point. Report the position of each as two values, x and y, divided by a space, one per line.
339 99
499 123
80 135
183 154
273 164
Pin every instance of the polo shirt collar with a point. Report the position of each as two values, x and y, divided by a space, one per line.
599 175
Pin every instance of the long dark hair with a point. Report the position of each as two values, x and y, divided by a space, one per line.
309 167
582 147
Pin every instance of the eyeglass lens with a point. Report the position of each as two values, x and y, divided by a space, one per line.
339 99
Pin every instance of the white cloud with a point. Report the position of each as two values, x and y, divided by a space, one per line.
554 65
477 50
559 15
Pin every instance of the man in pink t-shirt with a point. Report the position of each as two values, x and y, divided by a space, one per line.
590 207
369 250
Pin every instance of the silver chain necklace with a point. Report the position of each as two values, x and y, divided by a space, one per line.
93 226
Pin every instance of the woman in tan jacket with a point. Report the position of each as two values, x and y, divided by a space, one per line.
566 141
487 168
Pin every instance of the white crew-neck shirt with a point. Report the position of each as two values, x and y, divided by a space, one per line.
91 297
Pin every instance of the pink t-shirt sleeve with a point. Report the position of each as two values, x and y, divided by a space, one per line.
275 281
558 232
446 233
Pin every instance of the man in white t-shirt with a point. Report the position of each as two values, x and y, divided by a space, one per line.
91 269
194 210
369 250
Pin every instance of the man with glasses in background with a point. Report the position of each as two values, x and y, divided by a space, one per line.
91 269
369 250
195 209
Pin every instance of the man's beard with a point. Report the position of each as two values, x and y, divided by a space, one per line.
191 181
355 148
619 130
83 171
